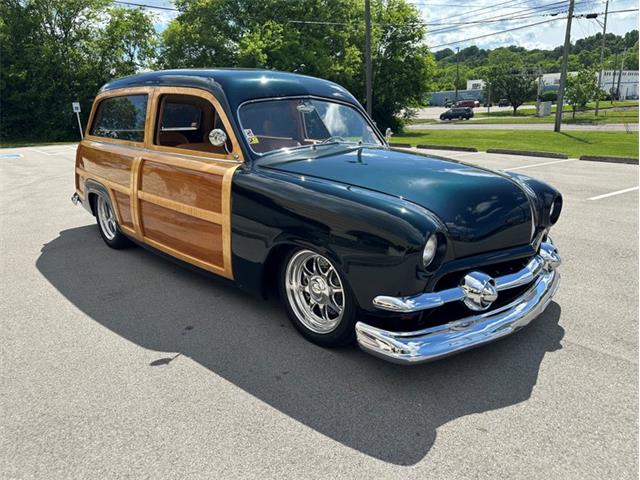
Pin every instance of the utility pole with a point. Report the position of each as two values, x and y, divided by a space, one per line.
457 71
624 53
367 54
604 34
563 72
539 93
613 82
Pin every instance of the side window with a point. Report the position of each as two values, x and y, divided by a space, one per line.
185 121
265 119
122 118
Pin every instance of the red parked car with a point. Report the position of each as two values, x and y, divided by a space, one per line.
468 103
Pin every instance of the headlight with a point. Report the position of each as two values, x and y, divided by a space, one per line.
429 252
554 211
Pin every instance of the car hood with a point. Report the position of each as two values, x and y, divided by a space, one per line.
482 210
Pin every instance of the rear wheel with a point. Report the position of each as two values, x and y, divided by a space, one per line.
318 299
108 226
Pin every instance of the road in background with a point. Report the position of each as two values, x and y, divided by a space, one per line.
434 112
462 124
124 364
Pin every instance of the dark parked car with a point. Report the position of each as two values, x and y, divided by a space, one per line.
277 181
503 102
464 113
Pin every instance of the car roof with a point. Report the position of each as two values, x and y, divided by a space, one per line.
238 85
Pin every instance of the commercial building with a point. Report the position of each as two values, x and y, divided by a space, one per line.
611 80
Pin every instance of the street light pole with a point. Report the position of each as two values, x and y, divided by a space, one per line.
604 35
563 73
367 54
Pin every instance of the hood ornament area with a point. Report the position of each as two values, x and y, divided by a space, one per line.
479 291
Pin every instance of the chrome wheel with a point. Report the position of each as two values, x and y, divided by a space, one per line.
106 218
314 291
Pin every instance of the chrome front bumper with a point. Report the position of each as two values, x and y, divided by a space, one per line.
443 340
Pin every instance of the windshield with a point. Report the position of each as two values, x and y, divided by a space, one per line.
275 124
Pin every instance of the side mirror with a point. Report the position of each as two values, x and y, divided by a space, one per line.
217 137
387 134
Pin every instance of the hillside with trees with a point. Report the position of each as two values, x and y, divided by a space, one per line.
584 53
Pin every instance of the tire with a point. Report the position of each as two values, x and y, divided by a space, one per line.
108 225
310 309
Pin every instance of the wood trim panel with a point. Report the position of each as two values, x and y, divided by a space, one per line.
118 187
135 197
196 212
184 185
188 258
167 227
226 221
123 204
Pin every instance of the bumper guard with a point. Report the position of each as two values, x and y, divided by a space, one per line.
443 340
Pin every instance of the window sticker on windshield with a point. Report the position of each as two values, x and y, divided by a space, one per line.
250 136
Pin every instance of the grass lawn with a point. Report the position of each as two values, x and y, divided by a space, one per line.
586 118
574 144
608 114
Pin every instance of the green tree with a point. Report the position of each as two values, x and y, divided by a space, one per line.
581 88
54 52
508 78
127 43
314 37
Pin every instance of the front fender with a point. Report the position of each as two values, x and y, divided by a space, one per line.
374 238
542 196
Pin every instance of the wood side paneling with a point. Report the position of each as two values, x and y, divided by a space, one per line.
197 189
114 166
175 200
192 236
123 203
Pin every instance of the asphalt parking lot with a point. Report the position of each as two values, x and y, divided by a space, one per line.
123 364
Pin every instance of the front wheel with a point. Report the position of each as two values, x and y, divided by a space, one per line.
318 299
108 226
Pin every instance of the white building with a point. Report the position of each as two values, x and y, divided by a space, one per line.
628 82
475 84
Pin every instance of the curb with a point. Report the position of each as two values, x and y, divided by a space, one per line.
447 147
595 158
528 153
400 145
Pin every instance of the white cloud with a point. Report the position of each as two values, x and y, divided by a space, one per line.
545 36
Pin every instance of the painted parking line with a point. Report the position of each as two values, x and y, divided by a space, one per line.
10 155
53 152
611 194
523 167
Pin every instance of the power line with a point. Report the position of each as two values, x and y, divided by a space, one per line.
528 10
525 26
143 5
498 33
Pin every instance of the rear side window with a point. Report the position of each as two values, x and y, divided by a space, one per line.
122 118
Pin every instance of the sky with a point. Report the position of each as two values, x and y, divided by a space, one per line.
489 15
